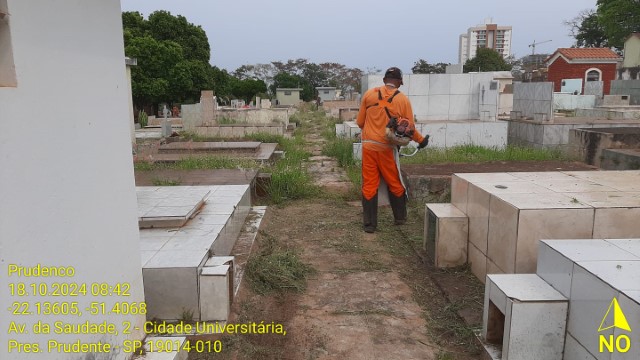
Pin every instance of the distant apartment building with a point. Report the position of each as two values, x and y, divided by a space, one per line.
487 35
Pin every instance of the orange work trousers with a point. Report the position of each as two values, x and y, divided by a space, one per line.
376 163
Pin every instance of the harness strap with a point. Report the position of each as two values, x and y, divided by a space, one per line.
388 113
392 96
389 100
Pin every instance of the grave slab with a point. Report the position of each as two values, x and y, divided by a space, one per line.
173 258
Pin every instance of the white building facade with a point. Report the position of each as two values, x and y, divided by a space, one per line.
69 241
487 35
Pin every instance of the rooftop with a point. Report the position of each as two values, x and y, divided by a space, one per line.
588 53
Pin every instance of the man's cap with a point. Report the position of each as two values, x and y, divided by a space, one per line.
393 73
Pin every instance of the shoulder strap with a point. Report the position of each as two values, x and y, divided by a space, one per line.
389 100
392 96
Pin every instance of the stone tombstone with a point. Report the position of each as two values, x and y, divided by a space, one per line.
258 103
265 104
166 122
594 88
234 104
208 105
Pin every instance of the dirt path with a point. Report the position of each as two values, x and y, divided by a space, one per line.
325 170
371 296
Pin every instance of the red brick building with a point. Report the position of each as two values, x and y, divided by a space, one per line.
588 64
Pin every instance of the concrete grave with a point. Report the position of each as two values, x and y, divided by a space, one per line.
446 231
620 159
181 150
509 212
588 144
525 316
162 207
582 303
178 263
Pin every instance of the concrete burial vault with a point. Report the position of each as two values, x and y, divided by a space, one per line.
186 236
559 253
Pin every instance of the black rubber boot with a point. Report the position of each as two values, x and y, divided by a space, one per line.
370 214
399 208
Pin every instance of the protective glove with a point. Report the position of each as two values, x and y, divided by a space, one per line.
424 142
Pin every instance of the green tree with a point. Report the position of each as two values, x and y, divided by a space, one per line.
324 74
286 80
264 72
248 88
486 60
315 75
221 82
195 44
587 31
156 59
423 67
618 18
173 58
134 24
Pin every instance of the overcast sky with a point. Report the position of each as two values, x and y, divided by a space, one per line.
363 34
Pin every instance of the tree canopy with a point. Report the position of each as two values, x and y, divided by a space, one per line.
587 31
287 80
173 66
300 73
606 26
618 18
423 67
173 57
486 60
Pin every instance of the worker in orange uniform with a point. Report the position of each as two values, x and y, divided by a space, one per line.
381 110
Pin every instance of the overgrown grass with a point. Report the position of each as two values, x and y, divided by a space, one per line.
290 181
276 268
474 153
226 121
289 177
342 150
215 162
165 182
199 163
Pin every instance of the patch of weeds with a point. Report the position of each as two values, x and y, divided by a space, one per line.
197 163
144 166
341 149
290 181
187 315
214 162
143 119
289 177
475 153
267 138
165 182
276 268
226 120
191 136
